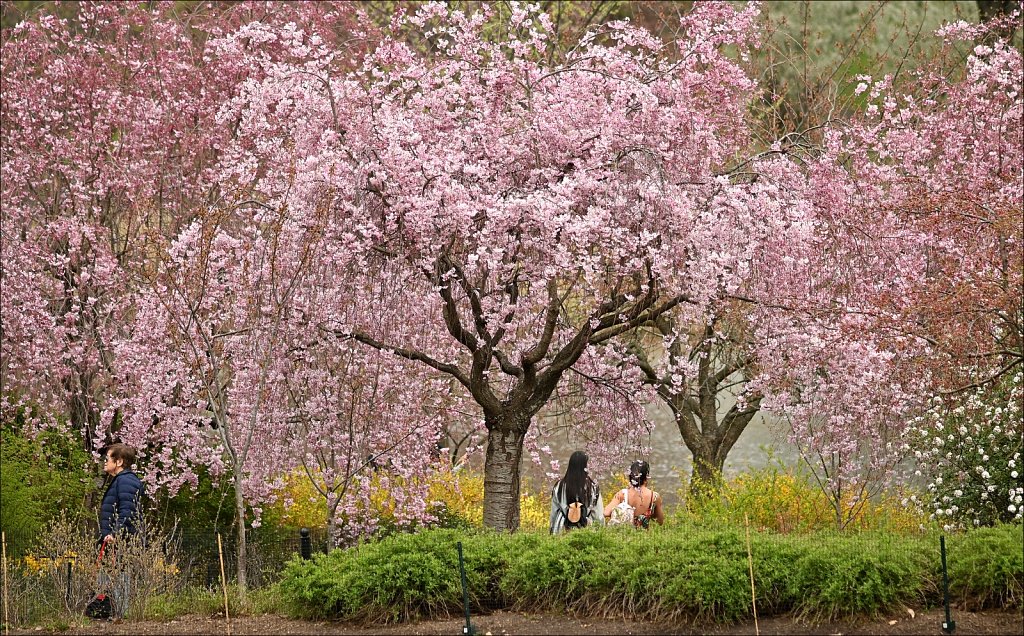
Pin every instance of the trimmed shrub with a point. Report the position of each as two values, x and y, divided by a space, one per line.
986 567
402 577
670 573
841 576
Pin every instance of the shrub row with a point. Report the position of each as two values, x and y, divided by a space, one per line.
672 573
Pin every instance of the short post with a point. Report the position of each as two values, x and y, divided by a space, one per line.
223 582
468 629
3 547
305 544
949 625
67 592
750 563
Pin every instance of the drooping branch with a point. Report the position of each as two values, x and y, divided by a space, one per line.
407 353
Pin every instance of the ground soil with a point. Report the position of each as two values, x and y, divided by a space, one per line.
924 622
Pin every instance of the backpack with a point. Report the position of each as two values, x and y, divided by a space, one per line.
577 513
624 513
644 520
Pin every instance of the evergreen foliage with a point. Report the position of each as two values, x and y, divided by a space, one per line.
40 478
670 573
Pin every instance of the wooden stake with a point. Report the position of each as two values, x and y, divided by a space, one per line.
7 619
750 562
223 582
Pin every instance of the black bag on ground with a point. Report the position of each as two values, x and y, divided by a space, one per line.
100 607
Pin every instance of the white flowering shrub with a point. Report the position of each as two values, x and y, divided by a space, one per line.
969 449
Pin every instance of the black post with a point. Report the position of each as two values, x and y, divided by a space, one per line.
949 625
468 629
305 545
69 586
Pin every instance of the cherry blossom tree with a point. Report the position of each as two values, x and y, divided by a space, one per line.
126 247
102 146
532 209
910 291
232 227
695 361
923 263
110 141
204 357
933 169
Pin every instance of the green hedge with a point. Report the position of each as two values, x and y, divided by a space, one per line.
669 573
985 567
40 479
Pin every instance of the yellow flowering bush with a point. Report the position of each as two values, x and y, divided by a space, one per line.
299 504
789 501
535 512
41 565
462 495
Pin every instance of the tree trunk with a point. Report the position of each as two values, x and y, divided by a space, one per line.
501 474
240 551
332 524
706 475
711 444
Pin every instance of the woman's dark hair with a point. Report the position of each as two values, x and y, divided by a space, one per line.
638 472
121 451
576 484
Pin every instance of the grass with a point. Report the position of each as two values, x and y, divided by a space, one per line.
210 602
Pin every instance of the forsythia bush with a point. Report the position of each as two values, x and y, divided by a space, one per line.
299 504
41 565
456 496
787 500
461 494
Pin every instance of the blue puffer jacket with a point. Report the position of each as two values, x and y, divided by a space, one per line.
121 508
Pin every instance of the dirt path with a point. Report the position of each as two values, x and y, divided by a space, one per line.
929 622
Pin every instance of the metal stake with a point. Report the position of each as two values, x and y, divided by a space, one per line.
468 629
949 626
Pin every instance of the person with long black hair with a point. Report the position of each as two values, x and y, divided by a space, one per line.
576 499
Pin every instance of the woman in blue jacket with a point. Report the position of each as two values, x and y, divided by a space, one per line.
120 511
120 518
